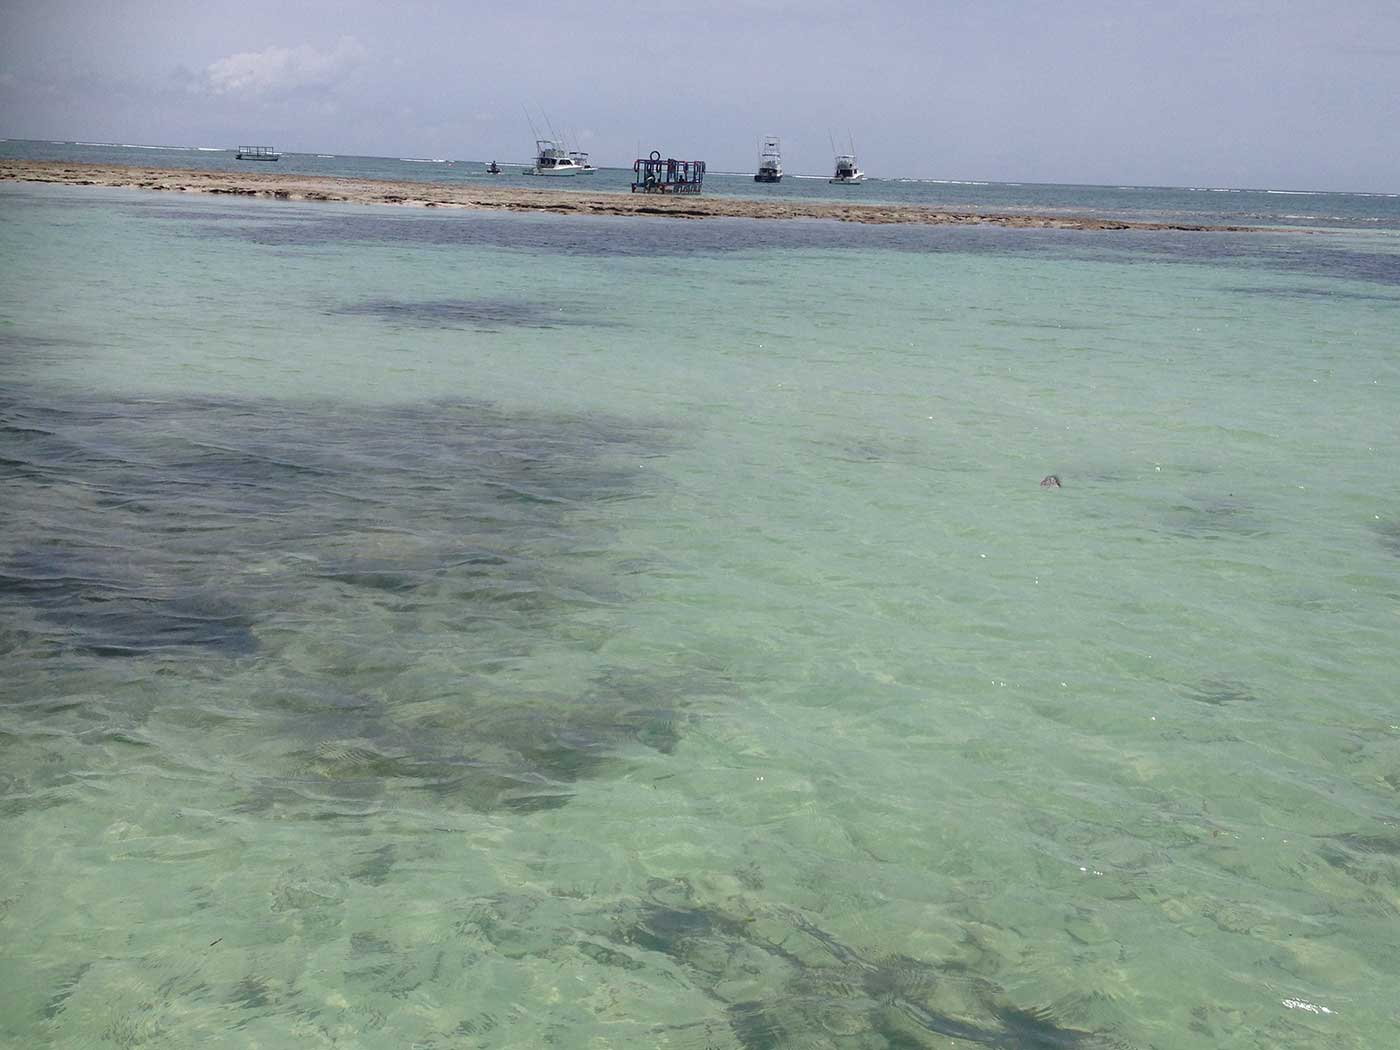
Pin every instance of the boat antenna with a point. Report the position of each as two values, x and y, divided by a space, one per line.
529 120
832 139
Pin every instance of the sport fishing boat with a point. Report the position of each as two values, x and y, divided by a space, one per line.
770 161
551 160
846 171
581 159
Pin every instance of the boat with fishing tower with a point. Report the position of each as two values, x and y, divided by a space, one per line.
770 161
551 160
847 172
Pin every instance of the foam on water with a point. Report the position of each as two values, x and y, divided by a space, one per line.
452 629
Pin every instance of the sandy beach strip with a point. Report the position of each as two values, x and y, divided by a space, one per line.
293 187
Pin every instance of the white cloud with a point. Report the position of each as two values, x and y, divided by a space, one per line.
279 70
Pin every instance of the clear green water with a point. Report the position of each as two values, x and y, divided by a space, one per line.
474 631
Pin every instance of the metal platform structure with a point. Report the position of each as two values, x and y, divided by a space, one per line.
257 153
654 175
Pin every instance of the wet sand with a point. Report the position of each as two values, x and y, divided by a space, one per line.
287 186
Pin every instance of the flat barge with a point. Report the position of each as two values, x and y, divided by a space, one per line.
653 175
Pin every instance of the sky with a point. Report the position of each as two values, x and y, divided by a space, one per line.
1287 94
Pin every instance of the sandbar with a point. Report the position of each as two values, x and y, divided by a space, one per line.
573 201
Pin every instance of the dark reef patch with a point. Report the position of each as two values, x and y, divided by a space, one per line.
18 346
1373 860
1306 293
377 865
485 315
65 983
99 607
755 1027
1213 517
1388 532
1285 254
486 751
831 993
323 552
1219 692
130 524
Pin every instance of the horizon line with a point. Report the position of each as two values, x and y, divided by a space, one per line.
325 154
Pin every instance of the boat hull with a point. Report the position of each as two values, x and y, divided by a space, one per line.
554 173
764 176
848 180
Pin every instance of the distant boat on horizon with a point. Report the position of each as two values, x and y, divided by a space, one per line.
257 153
848 173
770 161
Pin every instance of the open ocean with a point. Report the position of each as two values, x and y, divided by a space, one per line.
427 629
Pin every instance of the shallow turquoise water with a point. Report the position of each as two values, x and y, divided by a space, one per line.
467 630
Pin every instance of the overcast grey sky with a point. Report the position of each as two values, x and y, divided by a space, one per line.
1290 93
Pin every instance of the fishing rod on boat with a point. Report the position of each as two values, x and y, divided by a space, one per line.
534 132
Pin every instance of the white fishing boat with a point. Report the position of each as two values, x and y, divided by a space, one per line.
770 161
581 159
847 173
553 161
